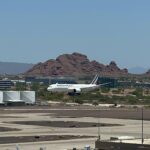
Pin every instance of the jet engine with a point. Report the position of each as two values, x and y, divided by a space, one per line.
77 90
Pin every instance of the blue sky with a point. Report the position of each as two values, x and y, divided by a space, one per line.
36 30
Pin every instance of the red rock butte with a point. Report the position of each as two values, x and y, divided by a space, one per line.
75 64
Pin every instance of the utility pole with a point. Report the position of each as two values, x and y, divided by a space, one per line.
99 136
142 127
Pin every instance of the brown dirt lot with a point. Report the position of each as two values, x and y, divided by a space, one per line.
77 111
22 139
5 129
64 124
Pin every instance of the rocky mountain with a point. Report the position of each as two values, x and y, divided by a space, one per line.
14 68
75 64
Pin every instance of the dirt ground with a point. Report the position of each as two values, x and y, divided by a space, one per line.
64 124
22 139
4 129
80 111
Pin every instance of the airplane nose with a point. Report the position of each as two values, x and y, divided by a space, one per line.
48 88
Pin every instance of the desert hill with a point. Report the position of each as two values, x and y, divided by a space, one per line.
75 64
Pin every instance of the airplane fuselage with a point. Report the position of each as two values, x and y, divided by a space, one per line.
77 88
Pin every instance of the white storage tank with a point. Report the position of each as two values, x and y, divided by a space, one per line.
28 96
87 147
11 95
1 97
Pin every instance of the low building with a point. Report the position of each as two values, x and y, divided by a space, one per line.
50 80
112 82
122 145
6 84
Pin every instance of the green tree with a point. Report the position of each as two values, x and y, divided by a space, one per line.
35 86
20 86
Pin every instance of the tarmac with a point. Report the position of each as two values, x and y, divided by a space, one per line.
128 127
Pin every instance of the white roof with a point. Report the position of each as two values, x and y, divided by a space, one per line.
123 137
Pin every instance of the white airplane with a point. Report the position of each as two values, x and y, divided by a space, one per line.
75 88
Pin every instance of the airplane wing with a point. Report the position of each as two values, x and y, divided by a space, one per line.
104 84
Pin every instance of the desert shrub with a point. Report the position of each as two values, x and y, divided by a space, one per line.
105 90
138 92
95 103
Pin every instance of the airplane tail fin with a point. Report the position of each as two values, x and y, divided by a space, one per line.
94 80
